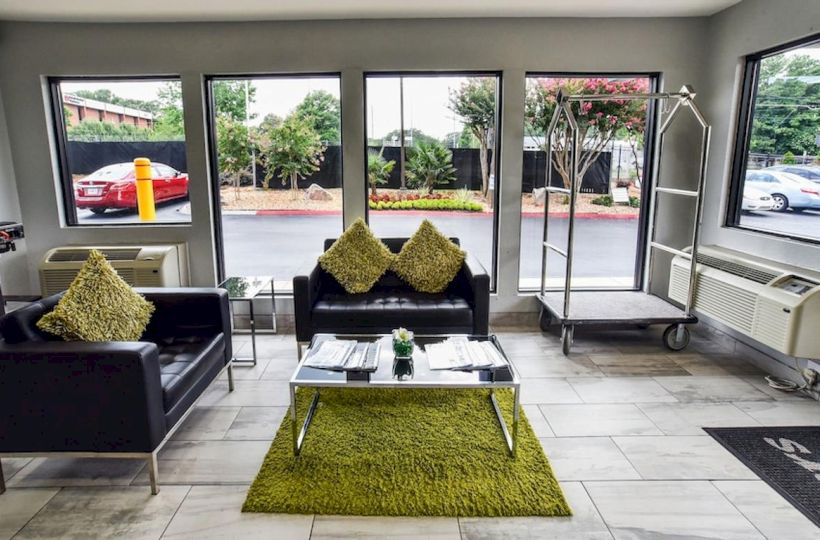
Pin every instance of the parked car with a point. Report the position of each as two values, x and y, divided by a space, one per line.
754 199
804 171
787 190
115 186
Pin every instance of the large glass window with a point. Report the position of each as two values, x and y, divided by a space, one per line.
776 175
608 218
103 125
278 159
432 154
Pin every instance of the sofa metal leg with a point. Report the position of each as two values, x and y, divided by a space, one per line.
230 377
2 479
152 473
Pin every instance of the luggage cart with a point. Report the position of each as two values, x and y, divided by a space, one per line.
640 308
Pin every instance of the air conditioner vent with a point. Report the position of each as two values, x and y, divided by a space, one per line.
81 254
757 275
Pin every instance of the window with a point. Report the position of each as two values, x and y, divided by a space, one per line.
432 154
609 214
776 172
277 144
102 126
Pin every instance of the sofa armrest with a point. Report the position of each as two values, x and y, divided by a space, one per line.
80 397
479 282
189 311
306 287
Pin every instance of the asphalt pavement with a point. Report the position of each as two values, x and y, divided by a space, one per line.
803 224
169 212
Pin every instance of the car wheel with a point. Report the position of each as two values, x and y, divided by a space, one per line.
98 211
781 203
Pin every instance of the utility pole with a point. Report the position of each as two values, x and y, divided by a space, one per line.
401 132
248 127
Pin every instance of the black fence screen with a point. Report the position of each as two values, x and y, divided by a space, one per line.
87 157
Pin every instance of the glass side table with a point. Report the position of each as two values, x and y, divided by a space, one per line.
247 289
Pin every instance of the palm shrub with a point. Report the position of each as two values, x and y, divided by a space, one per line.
430 164
290 150
378 170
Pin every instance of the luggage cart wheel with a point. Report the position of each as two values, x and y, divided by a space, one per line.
671 339
545 320
566 338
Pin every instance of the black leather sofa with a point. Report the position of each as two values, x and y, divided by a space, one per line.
110 399
323 306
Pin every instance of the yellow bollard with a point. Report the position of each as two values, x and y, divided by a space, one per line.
145 189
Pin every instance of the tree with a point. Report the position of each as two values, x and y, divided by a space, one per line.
430 165
169 119
378 170
598 121
293 149
474 102
787 107
323 111
96 131
230 98
412 137
233 149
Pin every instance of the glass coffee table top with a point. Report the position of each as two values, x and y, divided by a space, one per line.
245 287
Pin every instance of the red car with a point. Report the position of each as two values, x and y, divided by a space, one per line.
114 186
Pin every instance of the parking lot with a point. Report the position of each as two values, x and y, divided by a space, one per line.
806 223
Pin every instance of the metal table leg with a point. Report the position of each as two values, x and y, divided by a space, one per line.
510 439
299 438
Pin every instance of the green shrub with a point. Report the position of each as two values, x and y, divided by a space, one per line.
788 159
427 204
634 202
603 200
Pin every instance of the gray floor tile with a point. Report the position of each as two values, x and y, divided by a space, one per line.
545 390
539 424
208 462
57 472
18 506
689 418
768 511
256 424
12 466
695 388
620 390
215 512
555 366
247 394
352 527
783 413
636 365
584 524
676 510
682 458
280 369
246 371
605 419
587 458
206 424
761 384
712 365
84 513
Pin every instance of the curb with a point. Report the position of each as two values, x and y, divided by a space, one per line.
557 215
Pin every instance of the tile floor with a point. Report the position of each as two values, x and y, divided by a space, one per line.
619 419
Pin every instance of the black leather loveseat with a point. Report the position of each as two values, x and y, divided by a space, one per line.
110 399
323 306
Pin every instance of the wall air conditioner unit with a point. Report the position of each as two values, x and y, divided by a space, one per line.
775 304
140 266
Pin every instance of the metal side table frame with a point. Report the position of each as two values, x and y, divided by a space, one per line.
247 289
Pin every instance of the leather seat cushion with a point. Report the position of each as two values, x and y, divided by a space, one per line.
183 361
392 309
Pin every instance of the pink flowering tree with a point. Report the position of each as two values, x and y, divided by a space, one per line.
599 122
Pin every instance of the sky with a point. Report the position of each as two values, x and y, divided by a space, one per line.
425 99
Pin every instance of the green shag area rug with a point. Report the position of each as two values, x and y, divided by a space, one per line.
406 452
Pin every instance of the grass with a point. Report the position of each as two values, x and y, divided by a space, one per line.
413 452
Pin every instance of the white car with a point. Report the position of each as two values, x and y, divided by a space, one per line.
787 190
754 199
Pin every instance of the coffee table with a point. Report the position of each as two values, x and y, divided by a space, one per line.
422 377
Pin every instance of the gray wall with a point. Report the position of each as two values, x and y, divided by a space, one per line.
13 273
29 51
748 27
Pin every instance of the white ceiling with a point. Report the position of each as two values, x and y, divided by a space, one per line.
249 10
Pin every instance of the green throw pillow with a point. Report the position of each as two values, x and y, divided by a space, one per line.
98 306
357 259
429 260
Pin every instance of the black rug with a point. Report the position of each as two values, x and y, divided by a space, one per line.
786 458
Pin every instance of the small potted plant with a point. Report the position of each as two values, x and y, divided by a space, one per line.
403 343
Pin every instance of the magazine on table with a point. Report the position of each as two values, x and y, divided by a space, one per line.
460 353
344 355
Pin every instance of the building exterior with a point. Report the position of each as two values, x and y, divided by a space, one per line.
80 109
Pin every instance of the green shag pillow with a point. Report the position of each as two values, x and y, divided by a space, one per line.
98 306
428 261
357 259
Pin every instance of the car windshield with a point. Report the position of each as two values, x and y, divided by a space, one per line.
120 171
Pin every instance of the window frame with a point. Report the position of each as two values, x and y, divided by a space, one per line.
655 82
65 191
213 158
743 137
499 76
